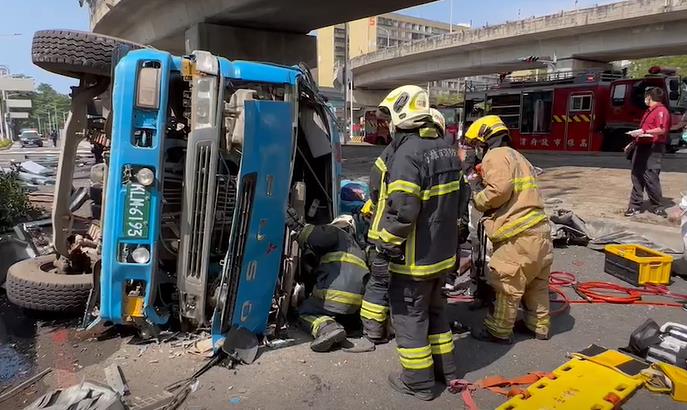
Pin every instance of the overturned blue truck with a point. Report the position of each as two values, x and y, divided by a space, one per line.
202 157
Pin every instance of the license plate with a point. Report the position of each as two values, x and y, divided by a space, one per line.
136 211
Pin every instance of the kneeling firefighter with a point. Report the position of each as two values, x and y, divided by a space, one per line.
416 183
339 275
515 222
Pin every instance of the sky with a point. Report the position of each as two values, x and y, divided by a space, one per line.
24 17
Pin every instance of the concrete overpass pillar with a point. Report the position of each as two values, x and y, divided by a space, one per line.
576 64
237 43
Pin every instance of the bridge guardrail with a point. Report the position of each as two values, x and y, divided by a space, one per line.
565 19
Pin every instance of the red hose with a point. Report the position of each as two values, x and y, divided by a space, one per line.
605 292
600 292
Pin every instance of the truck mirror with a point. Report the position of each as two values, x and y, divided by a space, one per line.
674 95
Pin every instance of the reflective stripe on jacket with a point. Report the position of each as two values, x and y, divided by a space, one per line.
420 184
511 200
341 270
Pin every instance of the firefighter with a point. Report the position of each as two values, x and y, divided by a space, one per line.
416 185
515 222
339 276
375 309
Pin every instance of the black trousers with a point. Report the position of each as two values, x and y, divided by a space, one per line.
423 335
375 309
645 180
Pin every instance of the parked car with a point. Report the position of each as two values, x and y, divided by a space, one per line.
30 139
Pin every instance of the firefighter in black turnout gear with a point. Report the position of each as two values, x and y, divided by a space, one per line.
339 276
417 186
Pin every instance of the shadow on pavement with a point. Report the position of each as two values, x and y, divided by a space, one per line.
472 355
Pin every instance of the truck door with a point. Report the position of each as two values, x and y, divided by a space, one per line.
253 262
579 121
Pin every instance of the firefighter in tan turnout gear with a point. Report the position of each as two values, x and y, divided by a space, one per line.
416 183
515 222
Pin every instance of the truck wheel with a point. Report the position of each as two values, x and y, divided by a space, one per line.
74 53
35 284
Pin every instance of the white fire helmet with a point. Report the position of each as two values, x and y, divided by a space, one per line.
408 107
345 222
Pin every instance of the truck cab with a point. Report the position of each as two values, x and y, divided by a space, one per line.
206 156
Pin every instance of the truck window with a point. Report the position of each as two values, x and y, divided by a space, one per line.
536 112
638 94
508 108
581 103
618 96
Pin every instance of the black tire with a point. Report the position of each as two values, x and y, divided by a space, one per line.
34 284
75 53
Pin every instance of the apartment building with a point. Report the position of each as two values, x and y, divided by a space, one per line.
368 35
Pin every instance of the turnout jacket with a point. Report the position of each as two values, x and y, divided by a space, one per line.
418 188
511 201
341 271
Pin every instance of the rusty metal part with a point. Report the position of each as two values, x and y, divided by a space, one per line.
62 217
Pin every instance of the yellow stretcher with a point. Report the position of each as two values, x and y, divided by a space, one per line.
595 379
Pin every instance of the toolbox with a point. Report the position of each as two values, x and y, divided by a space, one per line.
638 264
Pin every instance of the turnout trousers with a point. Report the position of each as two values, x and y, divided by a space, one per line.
316 319
374 311
423 335
519 270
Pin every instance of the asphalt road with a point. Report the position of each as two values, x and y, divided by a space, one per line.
358 159
47 151
295 377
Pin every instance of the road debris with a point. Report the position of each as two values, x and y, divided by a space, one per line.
10 393
115 379
84 396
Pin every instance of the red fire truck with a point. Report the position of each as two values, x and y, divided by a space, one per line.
376 129
454 121
567 111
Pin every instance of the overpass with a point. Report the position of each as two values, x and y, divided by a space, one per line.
580 39
274 30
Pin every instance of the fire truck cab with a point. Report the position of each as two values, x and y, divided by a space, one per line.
566 111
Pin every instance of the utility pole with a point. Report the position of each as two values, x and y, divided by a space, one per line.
347 56
450 19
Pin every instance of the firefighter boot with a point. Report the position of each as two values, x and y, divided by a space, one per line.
397 384
328 335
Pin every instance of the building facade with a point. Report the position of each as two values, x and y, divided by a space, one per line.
368 35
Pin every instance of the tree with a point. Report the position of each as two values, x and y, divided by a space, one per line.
15 205
640 68
45 100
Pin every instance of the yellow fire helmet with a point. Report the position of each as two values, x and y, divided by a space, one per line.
408 107
438 120
485 128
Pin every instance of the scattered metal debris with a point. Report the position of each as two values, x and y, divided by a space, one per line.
23 385
84 396
115 379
